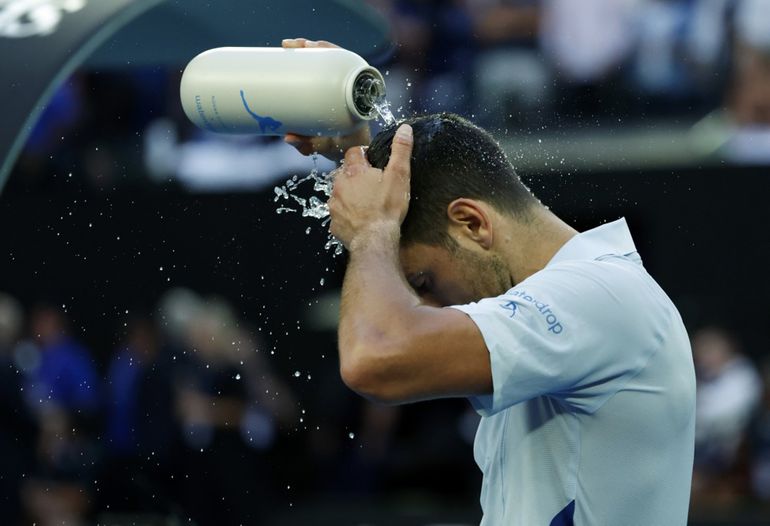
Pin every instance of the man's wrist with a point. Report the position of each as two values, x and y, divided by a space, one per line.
380 234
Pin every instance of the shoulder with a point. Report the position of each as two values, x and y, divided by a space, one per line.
587 302
612 292
575 327
609 280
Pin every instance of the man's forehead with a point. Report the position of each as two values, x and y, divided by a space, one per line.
415 257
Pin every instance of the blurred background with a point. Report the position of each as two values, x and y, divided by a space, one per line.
167 340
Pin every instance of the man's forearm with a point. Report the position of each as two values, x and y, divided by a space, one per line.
377 303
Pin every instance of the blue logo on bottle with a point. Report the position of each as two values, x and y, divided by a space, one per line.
266 124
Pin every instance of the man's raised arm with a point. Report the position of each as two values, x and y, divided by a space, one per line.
392 348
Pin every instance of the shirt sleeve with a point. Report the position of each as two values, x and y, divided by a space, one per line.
577 331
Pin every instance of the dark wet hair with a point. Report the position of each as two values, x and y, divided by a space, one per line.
452 158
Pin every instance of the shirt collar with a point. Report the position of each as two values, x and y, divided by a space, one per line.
611 238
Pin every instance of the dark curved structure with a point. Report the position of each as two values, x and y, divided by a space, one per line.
43 41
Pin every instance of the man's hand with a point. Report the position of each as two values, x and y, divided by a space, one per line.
367 199
330 147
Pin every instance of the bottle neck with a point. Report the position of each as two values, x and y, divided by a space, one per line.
368 92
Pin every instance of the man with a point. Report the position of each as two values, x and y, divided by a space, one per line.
576 359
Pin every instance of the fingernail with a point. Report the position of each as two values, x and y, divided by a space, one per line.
404 131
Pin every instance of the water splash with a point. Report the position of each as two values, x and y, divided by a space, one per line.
369 99
382 107
313 205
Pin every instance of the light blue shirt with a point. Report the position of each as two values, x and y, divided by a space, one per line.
591 418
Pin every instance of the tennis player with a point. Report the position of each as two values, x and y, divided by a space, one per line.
460 283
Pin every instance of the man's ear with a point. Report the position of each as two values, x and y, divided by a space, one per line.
471 219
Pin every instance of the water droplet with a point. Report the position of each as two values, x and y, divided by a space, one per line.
313 206
297 374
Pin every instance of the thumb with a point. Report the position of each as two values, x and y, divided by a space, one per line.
401 152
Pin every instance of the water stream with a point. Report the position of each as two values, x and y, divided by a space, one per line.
290 200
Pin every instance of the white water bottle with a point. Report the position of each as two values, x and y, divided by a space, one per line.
272 91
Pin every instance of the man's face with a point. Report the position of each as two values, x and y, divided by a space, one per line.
442 276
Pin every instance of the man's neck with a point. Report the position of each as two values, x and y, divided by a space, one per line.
527 247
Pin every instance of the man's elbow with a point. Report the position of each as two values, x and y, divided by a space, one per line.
372 375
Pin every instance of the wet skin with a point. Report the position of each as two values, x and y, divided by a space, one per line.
443 277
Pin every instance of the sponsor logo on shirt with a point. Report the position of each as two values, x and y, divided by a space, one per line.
554 325
511 306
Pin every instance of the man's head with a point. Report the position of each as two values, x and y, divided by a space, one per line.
463 188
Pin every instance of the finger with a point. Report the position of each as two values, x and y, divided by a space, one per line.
324 146
294 138
307 145
401 152
291 43
355 160
326 43
355 155
299 142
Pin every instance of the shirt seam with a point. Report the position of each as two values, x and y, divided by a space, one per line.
579 461
501 467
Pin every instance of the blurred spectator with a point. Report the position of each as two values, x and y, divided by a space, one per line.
760 442
365 469
139 399
16 423
707 45
505 21
50 147
63 372
229 405
435 47
63 392
512 83
217 162
587 43
140 425
728 392
751 95
60 490
659 64
749 98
